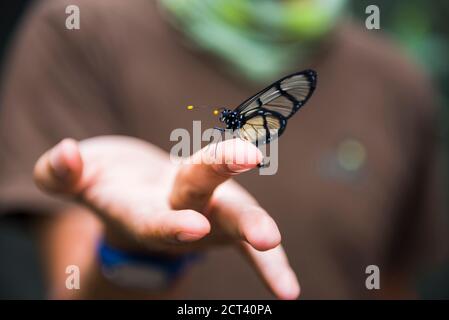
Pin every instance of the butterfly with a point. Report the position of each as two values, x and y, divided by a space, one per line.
263 117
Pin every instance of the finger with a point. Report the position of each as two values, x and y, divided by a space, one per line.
180 227
158 230
236 212
208 168
274 269
59 170
248 223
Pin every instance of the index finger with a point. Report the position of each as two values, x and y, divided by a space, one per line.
196 181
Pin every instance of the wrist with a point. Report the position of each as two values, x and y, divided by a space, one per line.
146 271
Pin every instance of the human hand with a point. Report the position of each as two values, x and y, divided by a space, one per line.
148 203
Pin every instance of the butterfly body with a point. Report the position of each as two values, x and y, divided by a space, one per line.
232 119
263 117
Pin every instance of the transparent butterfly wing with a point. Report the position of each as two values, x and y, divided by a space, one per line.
262 127
285 96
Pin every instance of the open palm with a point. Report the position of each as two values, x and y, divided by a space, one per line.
149 203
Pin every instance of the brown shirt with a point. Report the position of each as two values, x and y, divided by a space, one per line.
127 72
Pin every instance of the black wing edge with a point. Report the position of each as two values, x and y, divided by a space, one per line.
311 75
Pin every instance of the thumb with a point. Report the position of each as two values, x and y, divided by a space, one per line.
59 170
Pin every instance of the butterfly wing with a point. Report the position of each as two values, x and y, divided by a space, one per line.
285 96
262 127
266 113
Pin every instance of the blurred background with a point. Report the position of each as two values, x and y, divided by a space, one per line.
419 26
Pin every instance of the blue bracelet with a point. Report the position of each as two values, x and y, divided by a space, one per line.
170 268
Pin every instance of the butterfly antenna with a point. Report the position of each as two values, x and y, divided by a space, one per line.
216 111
